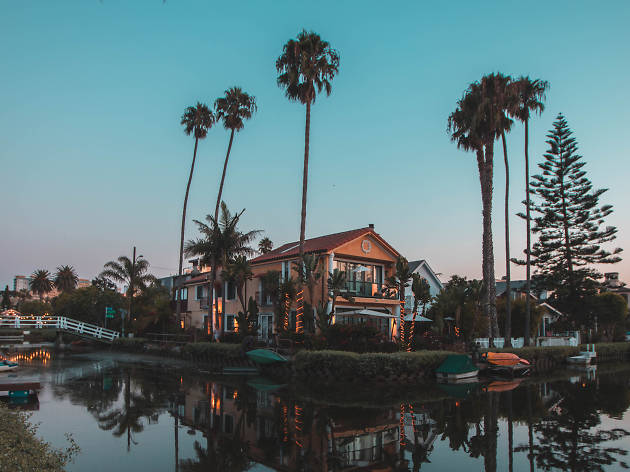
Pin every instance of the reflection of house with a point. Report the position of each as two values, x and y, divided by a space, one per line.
365 257
423 269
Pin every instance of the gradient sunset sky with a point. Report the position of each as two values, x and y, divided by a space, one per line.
94 160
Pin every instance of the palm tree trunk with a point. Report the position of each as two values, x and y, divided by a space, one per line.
305 179
489 303
508 281
227 157
178 305
528 283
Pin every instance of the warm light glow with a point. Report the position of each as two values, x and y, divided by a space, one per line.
403 442
299 318
235 395
182 323
287 305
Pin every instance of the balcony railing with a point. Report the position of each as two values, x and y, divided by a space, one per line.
357 288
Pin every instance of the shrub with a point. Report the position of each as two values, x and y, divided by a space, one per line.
233 338
355 338
203 352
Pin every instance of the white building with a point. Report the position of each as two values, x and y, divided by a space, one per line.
422 268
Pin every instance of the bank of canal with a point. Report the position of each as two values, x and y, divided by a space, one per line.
130 413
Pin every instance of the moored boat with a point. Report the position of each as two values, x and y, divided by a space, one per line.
6 365
585 357
504 364
457 367
265 356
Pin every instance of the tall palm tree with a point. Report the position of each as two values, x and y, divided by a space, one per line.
197 121
306 66
232 109
474 125
40 283
66 279
531 95
265 245
221 241
336 283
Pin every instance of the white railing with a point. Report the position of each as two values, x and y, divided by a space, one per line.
499 342
59 322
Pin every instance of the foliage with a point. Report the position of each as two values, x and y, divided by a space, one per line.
152 309
238 271
611 310
34 307
518 317
336 283
22 450
212 351
125 271
248 321
570 237
265 245
88 304
234 108
197 120
103 284
40 282
6 299
66 279
349 365
355 338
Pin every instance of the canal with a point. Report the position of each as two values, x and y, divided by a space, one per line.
162 415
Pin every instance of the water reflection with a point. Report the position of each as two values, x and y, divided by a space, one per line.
574 422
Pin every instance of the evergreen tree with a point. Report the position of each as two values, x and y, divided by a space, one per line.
569 225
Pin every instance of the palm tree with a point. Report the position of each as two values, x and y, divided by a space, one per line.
265 245
309 275
531 94
239 271
306 66
336 283
421 294
40 283
221 242
197 121
66 278
474 125
399 281
130 272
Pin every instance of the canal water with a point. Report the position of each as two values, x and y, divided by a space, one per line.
161 415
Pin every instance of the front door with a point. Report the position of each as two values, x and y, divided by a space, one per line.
265 327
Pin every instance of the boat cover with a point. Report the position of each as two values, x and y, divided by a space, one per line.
456 364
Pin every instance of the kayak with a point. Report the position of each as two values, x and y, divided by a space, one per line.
265 356
503 359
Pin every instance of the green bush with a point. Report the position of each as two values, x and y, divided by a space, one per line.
205 351
355 338
346 366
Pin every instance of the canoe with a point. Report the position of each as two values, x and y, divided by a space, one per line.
265 356
456 367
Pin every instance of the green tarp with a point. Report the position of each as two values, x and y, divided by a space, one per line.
456 364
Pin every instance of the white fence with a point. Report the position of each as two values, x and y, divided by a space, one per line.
499 342
59 322
540 341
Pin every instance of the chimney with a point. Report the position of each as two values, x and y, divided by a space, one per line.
371 226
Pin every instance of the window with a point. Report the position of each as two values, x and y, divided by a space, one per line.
229 322
231 291
184 294
199 292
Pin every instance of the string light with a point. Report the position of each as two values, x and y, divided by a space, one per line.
402 321
403 441
287 304
297 411
299 318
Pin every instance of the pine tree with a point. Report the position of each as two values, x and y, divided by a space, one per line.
569 225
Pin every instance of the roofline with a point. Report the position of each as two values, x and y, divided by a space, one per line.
435 277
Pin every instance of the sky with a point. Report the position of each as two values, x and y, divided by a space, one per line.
93 159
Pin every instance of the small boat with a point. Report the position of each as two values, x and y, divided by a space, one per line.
265 356
504 364
503 385
6 365
585 357
456 367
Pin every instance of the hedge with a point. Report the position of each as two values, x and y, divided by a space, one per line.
206 352
129 344
342 366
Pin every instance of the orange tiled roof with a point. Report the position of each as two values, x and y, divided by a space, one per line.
321 244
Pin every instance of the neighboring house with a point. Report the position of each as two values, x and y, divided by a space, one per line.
435 284
21 282
613 284
518 289
365 257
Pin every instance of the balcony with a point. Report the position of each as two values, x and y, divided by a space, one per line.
357 288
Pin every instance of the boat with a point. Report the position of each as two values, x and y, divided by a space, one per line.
585 357
502 385
457 367
504 364
6 365
265 356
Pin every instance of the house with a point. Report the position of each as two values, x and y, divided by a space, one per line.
613 284
365 257
422 268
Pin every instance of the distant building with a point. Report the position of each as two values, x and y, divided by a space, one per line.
81 283
518 289
422 268
613 284
21 282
